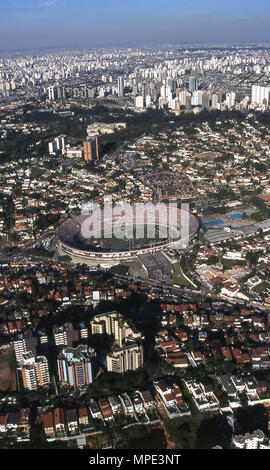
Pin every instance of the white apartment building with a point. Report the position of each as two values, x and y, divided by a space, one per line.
128 357
35 372
260 94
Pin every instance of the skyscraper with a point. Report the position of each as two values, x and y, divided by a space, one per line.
196 99
127 351
148 101
230 99
183 97
25 342
205 101
120 87
193 83
76 366
139 102
93 149
214 100
42 371
260 95
177 111
61 142
128 357
58 144
65 335
51 92
188 102
112 323
171 83
35 372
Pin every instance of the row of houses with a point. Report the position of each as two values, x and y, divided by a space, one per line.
203 395
235 386
15 421
130 404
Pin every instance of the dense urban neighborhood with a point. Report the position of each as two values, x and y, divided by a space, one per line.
119 343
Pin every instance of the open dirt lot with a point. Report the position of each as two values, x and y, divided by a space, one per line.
7 376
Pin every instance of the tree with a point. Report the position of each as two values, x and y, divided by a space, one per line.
243 400
212 260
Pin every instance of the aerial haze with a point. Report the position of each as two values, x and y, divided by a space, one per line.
37 24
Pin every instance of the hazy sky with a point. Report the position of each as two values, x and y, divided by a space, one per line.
91 23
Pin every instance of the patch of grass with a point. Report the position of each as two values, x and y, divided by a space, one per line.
7 370
37 173
119 269
40 252
178 277
260 288
229 263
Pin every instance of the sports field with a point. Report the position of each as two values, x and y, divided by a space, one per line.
124 238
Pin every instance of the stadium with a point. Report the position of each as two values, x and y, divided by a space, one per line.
115 238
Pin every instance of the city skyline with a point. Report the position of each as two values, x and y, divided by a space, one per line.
67 23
